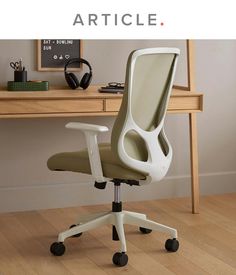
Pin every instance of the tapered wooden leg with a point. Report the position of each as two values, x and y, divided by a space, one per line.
194 162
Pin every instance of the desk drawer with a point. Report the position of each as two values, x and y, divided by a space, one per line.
188 103
48 106
112 105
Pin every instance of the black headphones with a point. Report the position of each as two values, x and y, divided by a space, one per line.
71 78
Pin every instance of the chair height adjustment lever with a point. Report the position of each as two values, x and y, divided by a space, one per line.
100 185
132 182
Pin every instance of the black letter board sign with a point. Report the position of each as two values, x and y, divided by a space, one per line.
53 54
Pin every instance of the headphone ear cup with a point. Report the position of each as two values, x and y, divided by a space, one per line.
86 80
72 80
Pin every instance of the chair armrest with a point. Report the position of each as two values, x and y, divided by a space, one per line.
91 131
86 127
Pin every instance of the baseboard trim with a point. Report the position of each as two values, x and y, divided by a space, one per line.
23 198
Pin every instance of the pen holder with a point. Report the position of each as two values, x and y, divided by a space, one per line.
20 76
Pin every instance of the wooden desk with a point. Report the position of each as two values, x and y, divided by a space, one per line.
68 103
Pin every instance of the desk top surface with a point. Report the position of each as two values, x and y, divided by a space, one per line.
91 92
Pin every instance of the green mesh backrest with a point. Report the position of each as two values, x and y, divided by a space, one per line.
148 85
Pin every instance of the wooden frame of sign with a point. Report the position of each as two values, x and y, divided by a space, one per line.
53 54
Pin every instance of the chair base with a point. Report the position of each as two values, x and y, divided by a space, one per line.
118 219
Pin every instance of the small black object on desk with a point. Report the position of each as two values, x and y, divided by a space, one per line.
20 74
112 87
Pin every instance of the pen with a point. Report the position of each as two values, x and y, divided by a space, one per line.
20 65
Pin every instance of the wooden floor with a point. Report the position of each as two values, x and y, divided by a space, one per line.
207 241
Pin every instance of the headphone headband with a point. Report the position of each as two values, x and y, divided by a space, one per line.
77 60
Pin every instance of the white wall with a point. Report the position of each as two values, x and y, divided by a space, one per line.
26 144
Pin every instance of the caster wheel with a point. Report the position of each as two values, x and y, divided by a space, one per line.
57 249
76 235
172 245
120 259
145 230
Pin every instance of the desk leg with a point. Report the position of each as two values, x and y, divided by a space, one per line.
194 162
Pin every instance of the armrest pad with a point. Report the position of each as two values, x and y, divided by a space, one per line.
86 127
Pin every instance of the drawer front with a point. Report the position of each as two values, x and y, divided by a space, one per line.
182 104
187 103
112 105
37 106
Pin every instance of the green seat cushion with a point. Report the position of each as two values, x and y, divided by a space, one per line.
79 162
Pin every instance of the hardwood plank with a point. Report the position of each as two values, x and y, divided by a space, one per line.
83 266
203 259
30 248
211 237
153 246
11 262
207 240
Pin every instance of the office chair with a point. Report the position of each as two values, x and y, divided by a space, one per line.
139 152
